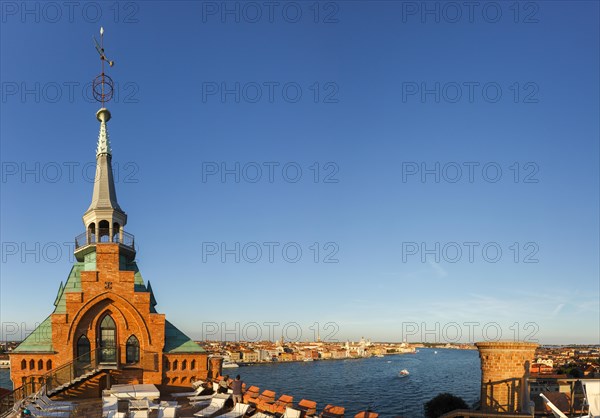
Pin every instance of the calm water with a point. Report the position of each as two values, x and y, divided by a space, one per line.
5 379
356 384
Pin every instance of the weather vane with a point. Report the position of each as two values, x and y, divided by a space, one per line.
103 85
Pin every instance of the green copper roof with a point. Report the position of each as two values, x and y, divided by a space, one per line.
177 342
39 341
73 284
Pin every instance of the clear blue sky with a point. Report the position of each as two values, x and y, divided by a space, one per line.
370 128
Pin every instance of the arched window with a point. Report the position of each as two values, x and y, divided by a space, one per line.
23 364
108 340
193 365
116 232
175 363
40 364
92 233
31 364
167 364
184 365
132 349
103 231
83 349
49 365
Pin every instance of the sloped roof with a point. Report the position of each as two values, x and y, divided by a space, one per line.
177 342
39 341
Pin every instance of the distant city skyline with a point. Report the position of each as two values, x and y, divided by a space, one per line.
366 167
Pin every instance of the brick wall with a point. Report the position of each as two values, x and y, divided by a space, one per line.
504 366
108 290
180 370
30 366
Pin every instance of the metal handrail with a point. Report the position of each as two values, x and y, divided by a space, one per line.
576 393
52 379
103 236
70 371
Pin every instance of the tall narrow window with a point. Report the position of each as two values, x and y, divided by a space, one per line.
108 340
83 349
103 231
116 232
132 349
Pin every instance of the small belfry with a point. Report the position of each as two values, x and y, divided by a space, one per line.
105 327
104 219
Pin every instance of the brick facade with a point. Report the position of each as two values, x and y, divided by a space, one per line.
108 290
504 368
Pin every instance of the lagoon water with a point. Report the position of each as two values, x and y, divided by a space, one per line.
358 384
5 379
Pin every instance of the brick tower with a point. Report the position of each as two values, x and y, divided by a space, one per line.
104 327
504 369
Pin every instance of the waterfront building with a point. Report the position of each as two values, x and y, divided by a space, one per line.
104 318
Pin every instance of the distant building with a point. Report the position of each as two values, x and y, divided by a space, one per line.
249 356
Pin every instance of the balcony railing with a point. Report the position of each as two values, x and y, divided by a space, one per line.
103 235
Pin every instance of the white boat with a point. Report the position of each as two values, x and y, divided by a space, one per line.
230 364
308 359
435 352
379 355
404 372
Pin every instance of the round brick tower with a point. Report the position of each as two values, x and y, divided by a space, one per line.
504 370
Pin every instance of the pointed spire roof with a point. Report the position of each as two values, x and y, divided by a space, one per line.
103 139
105 194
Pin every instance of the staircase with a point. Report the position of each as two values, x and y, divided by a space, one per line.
81 371
57 380
75 381
72 373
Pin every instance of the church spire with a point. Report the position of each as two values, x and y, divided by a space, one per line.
104 219
104 196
